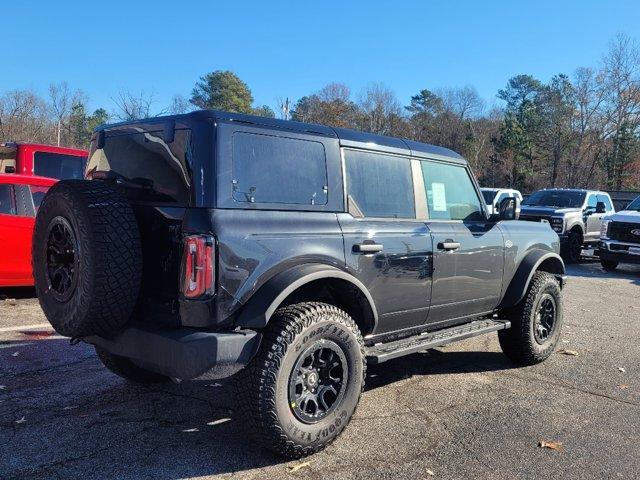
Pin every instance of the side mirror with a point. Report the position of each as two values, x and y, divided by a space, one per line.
509 209
601 207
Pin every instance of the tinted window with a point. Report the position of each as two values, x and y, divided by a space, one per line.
607 202
162 168
450 192
488 195
379 185
556 198
55 165
270 169
7 200
37 193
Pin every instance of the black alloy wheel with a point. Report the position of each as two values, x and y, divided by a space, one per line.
317 381
545 319
62 254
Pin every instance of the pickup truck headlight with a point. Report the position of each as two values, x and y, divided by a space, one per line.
557 223
604 228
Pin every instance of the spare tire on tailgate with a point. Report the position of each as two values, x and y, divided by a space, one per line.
87 258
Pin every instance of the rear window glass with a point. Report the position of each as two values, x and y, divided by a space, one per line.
271 169
379 185
488 195
56 165
161 168
7 200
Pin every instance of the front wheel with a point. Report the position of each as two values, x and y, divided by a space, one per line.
535 322
303 387
572 249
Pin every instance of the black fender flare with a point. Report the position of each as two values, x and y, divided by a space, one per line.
262 305
524 273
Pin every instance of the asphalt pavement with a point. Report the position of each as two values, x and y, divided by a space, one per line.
460 411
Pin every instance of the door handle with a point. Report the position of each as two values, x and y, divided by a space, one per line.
367 248
449 245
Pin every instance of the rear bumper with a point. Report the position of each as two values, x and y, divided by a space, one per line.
182 353
617 252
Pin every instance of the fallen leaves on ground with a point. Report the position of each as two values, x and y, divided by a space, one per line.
623 387
15 354
21 420
622 369
10 301
297 467
551 445
429 472
573 353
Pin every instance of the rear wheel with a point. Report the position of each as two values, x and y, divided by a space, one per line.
303 387
128 370
608 265
535 322
572 249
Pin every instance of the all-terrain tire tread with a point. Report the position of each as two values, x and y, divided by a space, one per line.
516 342
255 386
109 226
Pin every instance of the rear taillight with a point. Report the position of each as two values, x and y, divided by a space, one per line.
198 266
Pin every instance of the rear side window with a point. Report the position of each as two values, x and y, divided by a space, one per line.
56 165
451 194
379 185
271 169
7 200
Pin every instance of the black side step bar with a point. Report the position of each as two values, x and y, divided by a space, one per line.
382 352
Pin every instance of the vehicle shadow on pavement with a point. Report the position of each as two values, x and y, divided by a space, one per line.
17 292
435 362
589 268
63 415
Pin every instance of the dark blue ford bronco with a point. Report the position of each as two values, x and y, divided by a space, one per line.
289 254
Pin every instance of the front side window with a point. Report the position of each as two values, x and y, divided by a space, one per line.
56 165
379 185
592 202
7 200
451 194
271 169
607 202
37 194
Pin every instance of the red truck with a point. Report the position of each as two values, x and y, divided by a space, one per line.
42 160
20 197
27 170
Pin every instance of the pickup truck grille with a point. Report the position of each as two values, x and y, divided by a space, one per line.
534 218
622 231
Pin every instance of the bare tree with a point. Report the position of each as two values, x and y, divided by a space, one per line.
179 105
135 107
621 108
24 117
379 105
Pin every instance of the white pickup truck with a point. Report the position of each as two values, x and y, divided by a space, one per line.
620 237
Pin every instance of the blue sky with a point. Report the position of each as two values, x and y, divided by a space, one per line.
294 48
